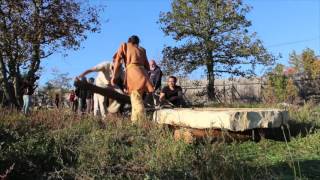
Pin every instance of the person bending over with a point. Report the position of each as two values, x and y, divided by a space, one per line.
103 79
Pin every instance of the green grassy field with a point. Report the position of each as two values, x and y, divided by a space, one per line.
56 145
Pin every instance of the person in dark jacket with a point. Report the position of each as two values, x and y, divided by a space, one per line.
155 74
82 97
57 100
89 100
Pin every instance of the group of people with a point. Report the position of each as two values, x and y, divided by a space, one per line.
81 100
130 73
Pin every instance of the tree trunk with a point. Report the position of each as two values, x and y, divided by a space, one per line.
6 86
210 76
34 67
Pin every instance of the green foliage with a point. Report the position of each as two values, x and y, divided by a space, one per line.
51 145
307 63
60 80
213 34
33 30
280 87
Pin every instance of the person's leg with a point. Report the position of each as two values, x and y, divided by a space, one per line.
102 105
76 105
95 104
27 104
91 108
89 102
138 112
84 105
80 105
24 108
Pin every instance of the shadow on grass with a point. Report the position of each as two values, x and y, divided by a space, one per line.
283 133
294 129
309 169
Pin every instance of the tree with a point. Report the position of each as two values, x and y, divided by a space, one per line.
60 80
306 64
31 30
280 87
213 34
307 71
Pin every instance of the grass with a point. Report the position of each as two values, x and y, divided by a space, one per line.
61 145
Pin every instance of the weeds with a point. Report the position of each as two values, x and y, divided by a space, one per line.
61 145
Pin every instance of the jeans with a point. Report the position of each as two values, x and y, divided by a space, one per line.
26 103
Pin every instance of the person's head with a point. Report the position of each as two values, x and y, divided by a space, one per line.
152 64
134 40
72 91
84 79
172 80
91 80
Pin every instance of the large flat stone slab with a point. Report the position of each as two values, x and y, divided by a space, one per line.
233 119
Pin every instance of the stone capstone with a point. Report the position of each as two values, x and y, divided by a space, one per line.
233 119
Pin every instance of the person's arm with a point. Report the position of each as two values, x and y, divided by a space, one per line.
88 71
162 96
116 69
117 62
146 63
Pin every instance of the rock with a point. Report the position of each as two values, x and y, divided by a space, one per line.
232 119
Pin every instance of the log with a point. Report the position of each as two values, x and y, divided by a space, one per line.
105 91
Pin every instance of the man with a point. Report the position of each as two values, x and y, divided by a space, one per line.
105 73
155 74
89 100
27 92
136 79
82 95
172 94
72 100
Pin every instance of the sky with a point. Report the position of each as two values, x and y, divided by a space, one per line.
283 26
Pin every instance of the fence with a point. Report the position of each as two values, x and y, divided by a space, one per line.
226 90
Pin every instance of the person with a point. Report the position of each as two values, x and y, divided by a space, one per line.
136 80
103 78
155 74
76 100
57 100
72 100
82 97
89 100
27 92
172 94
